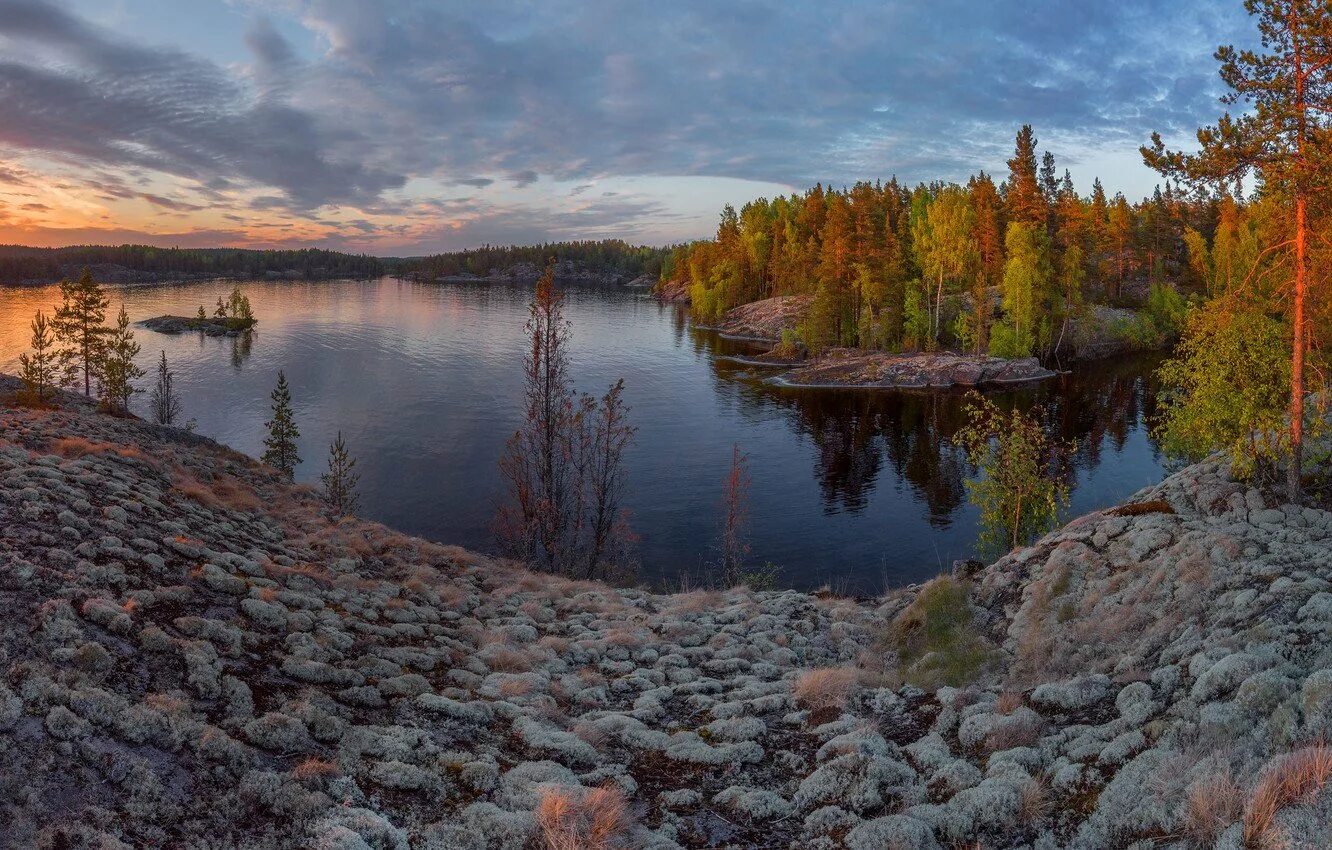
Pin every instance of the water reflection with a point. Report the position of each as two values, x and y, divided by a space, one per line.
1096 407
855 488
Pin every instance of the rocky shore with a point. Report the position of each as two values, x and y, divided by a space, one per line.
210 326
856 369
193 656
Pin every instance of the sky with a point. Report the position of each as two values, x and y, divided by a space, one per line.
405 127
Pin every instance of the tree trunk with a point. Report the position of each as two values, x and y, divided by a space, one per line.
1293 472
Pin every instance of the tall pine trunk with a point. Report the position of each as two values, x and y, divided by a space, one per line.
1294 471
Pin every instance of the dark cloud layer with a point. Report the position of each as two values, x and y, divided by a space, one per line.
505 93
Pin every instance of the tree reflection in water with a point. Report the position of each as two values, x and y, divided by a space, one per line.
859 433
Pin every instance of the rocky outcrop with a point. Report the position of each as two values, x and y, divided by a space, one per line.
766 319
208 326
192 655
843 367
672 291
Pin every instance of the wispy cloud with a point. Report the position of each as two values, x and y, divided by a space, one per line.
386 106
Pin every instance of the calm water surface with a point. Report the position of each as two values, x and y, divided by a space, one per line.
858 489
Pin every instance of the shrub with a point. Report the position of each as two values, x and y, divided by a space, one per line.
1211 804
1287 781
572 819
1227 388
825 687
934 639
1019 492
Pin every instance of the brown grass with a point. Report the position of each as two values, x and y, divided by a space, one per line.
507 659
1287 781
1023 733
1033 802
76 447
593 820
1211 804
825 687
515 688
316 768
1008 702
696 602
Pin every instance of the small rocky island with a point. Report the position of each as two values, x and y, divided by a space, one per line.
194 655
842 367
208 325
769 319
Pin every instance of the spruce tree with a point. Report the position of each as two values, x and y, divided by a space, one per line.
280 444
78 327
119 370
1026 203
165 403
40 370
340 481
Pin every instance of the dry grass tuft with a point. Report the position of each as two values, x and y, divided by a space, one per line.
1287 781
316 768
593 820
1211 804
825 687
1008 702
1034 802
76 447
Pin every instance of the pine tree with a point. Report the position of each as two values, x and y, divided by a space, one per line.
78 327
280 444
340 481
1025 202
119 371
164 401
1281 139
40 370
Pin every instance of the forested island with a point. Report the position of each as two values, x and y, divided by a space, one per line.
606 262
1021 267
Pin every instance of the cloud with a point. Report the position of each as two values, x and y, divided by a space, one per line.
385 98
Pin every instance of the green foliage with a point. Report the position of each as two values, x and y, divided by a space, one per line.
119 372
40 370
606 255
916 316
1018 492
790 343
935 638
1228 386
340 480
280 444
78 328
1026 285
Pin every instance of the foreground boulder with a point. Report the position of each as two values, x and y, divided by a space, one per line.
192 655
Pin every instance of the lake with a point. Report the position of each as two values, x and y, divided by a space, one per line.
859 490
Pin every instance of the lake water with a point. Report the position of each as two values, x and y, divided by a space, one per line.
855 489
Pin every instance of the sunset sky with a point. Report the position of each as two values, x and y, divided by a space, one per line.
414 127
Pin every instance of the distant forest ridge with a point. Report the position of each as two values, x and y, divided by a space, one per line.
133 263
605 256
21 264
